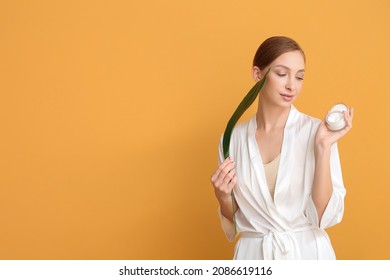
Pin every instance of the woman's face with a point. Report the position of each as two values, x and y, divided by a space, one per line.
285 80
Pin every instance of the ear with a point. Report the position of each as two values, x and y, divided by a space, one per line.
256 73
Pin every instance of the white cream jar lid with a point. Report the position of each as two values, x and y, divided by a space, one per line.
335 118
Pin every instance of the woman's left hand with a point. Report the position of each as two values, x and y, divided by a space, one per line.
326 137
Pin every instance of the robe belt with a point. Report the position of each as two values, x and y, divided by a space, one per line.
285 241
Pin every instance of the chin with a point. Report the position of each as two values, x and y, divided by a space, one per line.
285 104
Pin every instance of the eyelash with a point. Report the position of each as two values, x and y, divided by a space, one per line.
283 75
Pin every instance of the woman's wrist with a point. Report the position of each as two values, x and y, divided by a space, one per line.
224 197
322 148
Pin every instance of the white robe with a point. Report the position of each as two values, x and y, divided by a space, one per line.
288 226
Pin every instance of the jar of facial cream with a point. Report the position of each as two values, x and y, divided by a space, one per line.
335 118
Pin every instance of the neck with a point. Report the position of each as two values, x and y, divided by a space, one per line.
270 117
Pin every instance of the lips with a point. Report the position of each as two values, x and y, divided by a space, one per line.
287 97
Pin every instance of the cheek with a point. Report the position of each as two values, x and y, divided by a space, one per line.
299 87
274 84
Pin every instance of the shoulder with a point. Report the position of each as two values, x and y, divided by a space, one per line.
241 129
303 117
304 122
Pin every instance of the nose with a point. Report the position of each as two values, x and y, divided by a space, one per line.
290 85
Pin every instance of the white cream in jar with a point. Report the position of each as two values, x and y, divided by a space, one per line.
335 118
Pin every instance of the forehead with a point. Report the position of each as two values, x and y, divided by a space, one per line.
293 60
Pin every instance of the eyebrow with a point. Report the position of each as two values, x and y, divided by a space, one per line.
284 66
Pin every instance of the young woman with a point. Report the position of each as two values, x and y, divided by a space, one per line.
284 168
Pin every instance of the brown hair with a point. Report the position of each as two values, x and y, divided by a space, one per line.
272 48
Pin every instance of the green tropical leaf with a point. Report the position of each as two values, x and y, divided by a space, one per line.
244 105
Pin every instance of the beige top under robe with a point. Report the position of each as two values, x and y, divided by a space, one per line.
271 173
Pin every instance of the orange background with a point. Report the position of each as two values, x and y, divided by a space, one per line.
111 112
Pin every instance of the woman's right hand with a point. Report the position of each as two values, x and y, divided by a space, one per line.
224 179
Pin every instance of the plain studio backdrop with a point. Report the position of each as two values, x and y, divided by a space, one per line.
111 113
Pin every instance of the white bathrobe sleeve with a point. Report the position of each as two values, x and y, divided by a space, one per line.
335 209
227 225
